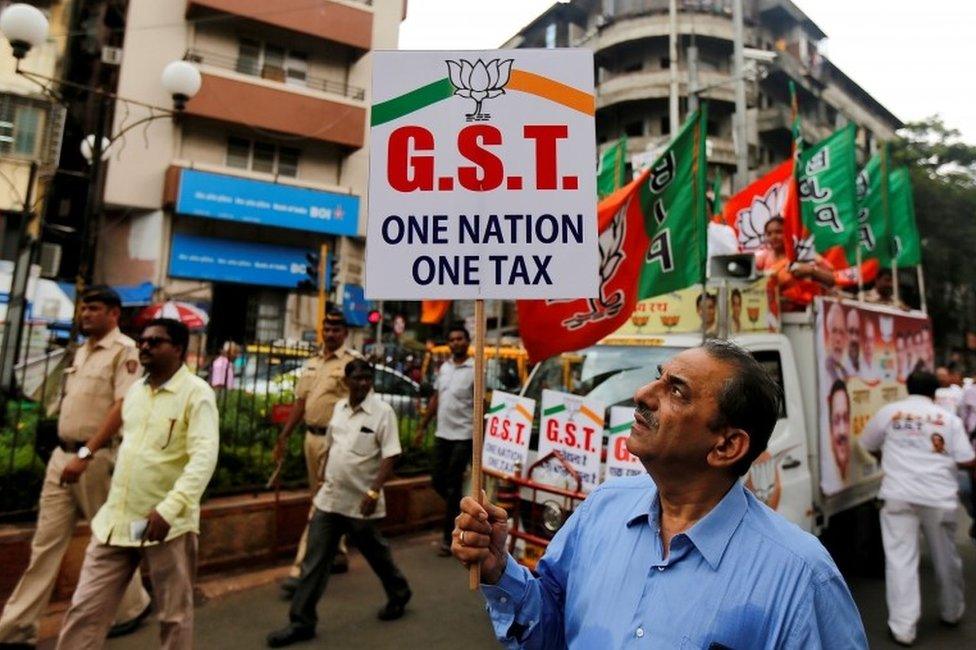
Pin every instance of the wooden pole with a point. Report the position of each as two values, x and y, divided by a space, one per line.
860 277
320 306
478 420
920 274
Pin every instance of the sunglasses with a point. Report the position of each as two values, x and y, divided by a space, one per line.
153 341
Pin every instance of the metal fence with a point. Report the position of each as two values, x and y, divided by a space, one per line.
252 412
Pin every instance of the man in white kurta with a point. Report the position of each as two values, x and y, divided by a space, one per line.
921 446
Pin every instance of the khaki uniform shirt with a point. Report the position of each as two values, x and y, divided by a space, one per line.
100 375
321 385
168 453
359 439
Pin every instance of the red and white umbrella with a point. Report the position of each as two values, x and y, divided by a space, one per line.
190 315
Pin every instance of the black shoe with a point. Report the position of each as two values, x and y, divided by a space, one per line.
340 565
128 627
17 646
394 609
290 634
289 585
944 623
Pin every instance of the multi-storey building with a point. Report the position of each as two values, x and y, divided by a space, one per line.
267 162
630 40
30 128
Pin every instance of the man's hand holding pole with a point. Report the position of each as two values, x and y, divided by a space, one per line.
480 536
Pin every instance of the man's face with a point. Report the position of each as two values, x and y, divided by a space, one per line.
736 305
840 430
706 310
97 318
885 286
938 443
944 377
868 343
837 332
333 336
156 348
671 421
459 343
359 383
853 335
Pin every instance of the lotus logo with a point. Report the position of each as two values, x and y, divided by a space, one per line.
479 81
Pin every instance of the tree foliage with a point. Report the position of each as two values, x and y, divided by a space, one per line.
943 169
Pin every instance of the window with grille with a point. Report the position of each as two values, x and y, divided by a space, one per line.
264 157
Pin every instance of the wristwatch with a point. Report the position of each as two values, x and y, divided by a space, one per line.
372 494
84 453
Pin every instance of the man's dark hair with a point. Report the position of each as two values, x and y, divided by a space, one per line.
736 293
711 296
358 365
177 332
772 220
750 399
952 366
104 294
922 382
883 273
459 327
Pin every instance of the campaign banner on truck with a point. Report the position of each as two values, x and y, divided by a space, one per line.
682 311
573 426
620 462
865 354
508 427
482 178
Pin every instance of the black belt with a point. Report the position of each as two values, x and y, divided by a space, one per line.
317 431
70 446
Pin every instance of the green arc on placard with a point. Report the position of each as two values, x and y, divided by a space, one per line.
412 101
552 410
621 427
496 409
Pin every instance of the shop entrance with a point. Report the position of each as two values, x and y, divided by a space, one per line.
245 314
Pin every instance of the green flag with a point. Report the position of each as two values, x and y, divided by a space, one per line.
612 174
903 227
873 210
828 200
717 193
674 207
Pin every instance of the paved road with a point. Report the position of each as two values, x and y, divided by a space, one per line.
444 614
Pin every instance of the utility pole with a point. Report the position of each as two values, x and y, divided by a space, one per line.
739 123
674 121
693 85
17 303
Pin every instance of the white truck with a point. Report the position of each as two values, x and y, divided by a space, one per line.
813 470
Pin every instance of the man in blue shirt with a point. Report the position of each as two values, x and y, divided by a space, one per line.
683 558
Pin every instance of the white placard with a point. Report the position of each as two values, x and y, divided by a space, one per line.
573 426
508 427
482 179
620 462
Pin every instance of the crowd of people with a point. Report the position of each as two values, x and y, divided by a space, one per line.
138 441
127 405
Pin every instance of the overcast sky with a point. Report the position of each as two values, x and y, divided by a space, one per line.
914 57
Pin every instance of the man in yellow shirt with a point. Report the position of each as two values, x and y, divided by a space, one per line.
79 471
169 450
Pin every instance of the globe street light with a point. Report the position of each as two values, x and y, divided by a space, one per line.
182 81
24 26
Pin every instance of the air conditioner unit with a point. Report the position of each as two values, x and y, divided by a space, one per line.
50 260
111 55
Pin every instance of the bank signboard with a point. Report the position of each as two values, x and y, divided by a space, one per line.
224 260
229 198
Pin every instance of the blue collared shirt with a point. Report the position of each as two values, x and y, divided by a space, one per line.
742 577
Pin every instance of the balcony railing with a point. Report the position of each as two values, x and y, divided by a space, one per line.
275 73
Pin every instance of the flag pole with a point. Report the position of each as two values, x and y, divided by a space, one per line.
860 276
478 420
887 214
920 274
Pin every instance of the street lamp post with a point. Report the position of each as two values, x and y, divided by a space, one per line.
25 27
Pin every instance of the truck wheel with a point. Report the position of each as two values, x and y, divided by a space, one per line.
853 538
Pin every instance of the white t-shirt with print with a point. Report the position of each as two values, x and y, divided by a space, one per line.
920 445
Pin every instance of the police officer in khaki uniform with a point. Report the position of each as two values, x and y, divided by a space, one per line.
320 387
79 472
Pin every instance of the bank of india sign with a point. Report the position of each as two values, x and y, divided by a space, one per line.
482 176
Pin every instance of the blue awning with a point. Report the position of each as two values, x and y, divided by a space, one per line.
132 295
